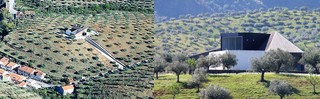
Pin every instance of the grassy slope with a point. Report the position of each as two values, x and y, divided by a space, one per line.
201 25
241 86
9 90
41 31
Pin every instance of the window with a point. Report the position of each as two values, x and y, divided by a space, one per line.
232 43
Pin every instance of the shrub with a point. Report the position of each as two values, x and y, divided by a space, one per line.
215 92
280 87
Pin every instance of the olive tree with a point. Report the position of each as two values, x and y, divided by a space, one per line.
199 76
228 60
261 65
192 63
314 81
215 92
174 89
312 58
279 58
281 88
207 62
159 65
177 68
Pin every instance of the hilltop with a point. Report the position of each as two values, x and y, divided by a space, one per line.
196 34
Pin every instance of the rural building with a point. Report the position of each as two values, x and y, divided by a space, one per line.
11 66
5 77
4 61
64 90
79 32
27 71
247 46
17 78
22 84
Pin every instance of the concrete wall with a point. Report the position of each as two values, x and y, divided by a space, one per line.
243 56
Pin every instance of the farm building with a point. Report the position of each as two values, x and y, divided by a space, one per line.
79 32
27 71
4 61
64 90
247 46
11 66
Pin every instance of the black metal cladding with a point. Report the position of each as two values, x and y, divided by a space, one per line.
250 41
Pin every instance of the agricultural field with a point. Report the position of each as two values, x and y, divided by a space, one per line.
11 91
241 86
35 42
201 33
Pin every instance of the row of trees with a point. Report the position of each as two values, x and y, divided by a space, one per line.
48 7
180 63
7 22
276 60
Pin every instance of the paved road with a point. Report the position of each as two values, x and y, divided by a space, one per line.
105 53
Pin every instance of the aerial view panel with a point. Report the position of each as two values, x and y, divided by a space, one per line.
76 49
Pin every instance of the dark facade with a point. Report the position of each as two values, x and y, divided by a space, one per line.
244 41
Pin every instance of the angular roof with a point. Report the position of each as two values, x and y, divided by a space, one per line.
4 60
11 64
2 71
39 73
68 87
276 40
16 77
27 69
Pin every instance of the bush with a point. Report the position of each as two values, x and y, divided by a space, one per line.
215 92
280 87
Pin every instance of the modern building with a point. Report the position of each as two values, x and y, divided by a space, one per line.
247 46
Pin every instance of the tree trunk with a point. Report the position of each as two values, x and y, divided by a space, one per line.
173 96
281 97
316 69
262 76
198 88
157 75
178 78
278 70
314 89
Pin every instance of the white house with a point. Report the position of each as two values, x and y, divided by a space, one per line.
247 46
64 90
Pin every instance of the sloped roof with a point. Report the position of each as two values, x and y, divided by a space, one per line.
27 69
68 87
276 40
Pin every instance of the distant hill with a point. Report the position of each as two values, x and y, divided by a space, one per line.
175 8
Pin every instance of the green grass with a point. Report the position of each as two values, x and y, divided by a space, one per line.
12 91
241 86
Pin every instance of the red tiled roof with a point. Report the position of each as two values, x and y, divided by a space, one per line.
11 64
4 60
68 87
27 69
16 77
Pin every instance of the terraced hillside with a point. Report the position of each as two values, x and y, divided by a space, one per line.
12 91
196 34
36 43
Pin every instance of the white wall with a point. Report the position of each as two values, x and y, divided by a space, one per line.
243 56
